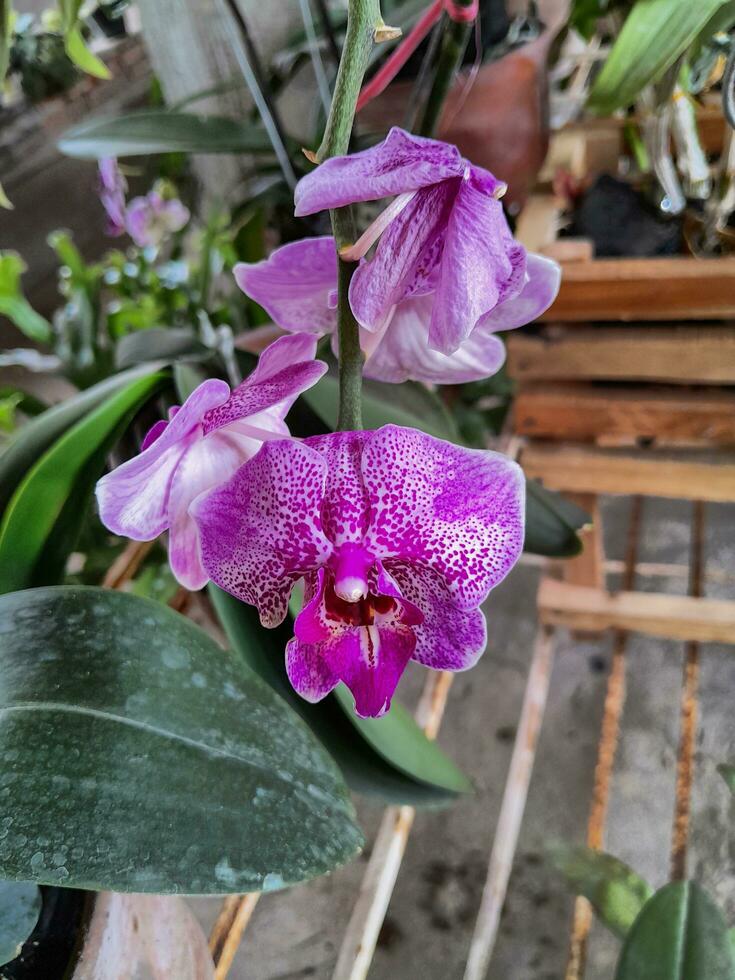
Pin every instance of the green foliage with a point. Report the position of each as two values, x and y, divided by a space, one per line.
679 935
44 516
13 303
6 36
162 131
552 523
655 34
82 57
615 891
156 762
728 774
37 436
20 906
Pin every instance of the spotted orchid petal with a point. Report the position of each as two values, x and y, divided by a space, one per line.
206 464
295 285
133 499
262 531
481 266
401 163
285 369
449 638
457 511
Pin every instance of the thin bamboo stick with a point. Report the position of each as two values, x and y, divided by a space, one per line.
606 751
512 807
126 564
359 941
689 712
227 932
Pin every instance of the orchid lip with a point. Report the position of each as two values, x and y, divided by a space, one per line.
353 253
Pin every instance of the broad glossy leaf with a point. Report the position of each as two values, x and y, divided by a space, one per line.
728 774
76 47
375 766
43 518
408 404
162 131
36 437
679 935
614 889
20 906
158 344
13 303
552 523
400 741
654 34
140 757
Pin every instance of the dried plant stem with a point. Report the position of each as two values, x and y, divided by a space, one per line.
606 751
126 564
227 932
690 683
512 807
368 914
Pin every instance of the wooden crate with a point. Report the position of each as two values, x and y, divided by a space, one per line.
627 386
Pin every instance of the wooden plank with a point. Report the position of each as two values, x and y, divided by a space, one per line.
677 288
674 617
675 354
582 469
601 413
589 567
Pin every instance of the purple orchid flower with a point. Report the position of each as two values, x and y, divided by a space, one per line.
112 190
151 219
399 538
204 442
297 286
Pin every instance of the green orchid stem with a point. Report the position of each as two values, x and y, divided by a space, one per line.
454 43
365 26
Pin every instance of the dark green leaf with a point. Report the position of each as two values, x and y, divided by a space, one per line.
139 756
615 891
20 906
679 935
13 303
36 437
161 131
158 344
728 774
373 765
42 520
408 404
400 741
552 523
654 34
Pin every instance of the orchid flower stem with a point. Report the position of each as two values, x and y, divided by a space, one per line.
364 27
456 35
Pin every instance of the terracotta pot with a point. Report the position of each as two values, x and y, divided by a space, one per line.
143 937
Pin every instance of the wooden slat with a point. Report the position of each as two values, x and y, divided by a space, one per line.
581 469
677 288
608 412
674 617
676 354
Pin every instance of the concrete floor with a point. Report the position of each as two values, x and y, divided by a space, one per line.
429 925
